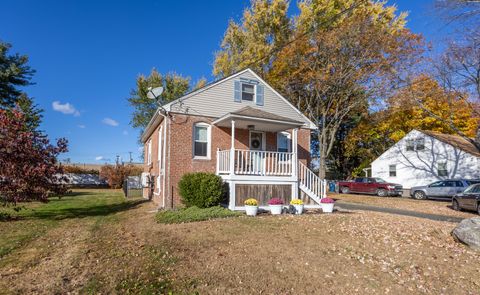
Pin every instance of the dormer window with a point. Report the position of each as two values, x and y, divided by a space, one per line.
248 91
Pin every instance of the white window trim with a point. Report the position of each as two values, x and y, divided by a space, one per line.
289 136
160 149
149 152
446 169
209 141
390 170
254 100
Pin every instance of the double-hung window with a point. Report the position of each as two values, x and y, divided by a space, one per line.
392 169
201 141
160 149
283 142
248 91
149 152
417 144
442 169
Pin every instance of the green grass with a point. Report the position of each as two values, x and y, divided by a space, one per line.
35 219
193 214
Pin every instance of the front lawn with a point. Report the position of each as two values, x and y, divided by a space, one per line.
96 242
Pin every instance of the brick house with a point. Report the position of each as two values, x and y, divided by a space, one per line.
239 128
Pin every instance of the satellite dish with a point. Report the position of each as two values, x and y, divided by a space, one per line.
155 92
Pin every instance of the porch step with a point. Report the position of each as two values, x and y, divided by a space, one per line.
311 184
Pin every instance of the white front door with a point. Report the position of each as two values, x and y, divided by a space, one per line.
257 146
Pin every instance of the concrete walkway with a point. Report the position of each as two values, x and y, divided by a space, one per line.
357 206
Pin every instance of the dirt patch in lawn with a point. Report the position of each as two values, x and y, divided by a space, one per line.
424 206
341 253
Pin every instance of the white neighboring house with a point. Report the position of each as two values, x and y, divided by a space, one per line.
422 157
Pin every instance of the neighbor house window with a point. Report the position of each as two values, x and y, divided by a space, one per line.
410 145
392 170
248 91
420 144
201 144
442 169
283 142
149 152
416 144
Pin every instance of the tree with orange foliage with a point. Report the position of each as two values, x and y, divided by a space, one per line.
423 105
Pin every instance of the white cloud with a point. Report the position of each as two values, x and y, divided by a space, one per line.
81 126
110 122
99 158
125 132
65 108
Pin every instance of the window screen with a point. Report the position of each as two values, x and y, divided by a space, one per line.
248 91
201 141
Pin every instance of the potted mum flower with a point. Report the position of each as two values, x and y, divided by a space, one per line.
276 206
298 204
327 205
251 207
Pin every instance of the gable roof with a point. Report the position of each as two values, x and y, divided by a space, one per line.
454 140
178 103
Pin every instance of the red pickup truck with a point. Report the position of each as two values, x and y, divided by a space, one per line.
370 185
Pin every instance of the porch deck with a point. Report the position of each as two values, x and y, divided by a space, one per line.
251 162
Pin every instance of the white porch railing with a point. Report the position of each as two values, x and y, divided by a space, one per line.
310 183
223 161
250 162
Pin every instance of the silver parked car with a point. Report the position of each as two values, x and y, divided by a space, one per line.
469 199
443 189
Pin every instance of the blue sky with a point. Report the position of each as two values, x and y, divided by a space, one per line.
88 53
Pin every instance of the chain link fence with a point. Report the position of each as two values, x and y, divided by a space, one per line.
132 187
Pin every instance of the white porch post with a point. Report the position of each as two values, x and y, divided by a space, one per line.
232 150
231 203
218 161
295 162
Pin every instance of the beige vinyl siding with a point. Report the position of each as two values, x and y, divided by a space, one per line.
218 100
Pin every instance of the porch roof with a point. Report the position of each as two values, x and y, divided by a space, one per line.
261 120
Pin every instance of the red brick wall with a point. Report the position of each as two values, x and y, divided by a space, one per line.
154 167
180 151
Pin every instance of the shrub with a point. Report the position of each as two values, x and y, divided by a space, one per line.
192 214
296 202
275 201
201 189
327 201
251 202
116 174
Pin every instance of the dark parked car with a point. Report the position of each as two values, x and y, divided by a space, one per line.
469 199
370 185
443 189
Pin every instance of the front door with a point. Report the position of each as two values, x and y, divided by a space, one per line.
257 146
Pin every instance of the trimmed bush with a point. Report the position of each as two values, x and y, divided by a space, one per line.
193 214
201 189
